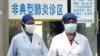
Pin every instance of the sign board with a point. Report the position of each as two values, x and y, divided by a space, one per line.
39 9
84 9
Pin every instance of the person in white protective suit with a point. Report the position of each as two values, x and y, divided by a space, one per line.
27 43
70 42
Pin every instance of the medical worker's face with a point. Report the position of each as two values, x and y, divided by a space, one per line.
70 26
30 22
30 26
70 21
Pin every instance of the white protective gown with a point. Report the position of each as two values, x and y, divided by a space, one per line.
21 46
61 46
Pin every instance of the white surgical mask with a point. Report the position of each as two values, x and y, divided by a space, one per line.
29 28
70 28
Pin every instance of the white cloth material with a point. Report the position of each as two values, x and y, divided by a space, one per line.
61 46
21 46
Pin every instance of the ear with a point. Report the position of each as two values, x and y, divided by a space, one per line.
22 24
63 23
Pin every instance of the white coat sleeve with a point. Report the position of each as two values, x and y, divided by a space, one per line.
53 49
44 51
87 49
12 49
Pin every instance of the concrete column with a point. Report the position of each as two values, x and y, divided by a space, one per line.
6 27
4 36
1 29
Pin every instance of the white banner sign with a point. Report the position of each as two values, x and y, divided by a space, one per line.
40 9
84 9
